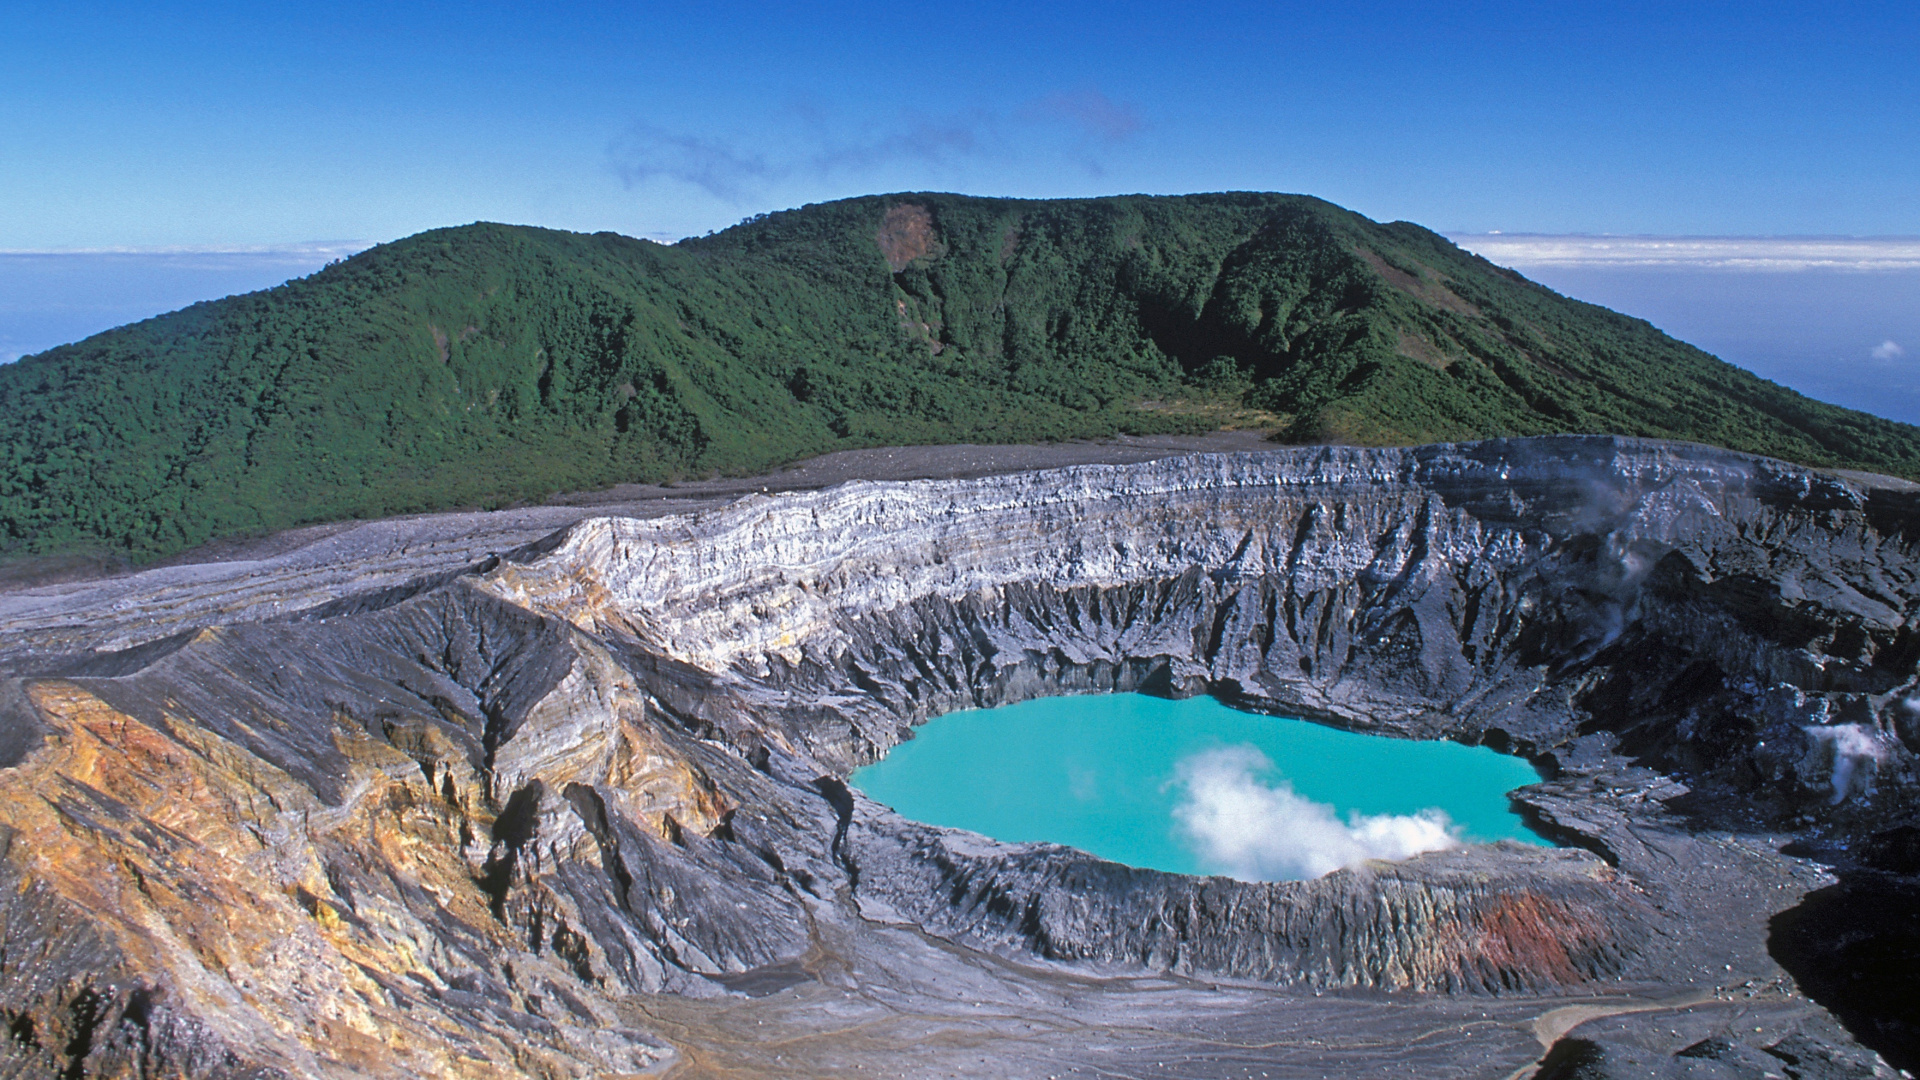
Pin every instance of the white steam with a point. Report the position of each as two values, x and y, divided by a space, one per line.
1241 827
1856 754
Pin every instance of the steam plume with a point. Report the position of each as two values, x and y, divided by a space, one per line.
1241 827
1856 757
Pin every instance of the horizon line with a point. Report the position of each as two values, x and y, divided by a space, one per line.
1697 252
307 247
1729 251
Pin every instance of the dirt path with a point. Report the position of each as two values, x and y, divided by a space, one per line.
1551 1026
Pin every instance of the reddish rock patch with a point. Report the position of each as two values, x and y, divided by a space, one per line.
906 234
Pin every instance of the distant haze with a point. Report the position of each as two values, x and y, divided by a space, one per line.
50 298
1837 318
1531 251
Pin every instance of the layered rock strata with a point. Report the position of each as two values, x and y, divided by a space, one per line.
529 814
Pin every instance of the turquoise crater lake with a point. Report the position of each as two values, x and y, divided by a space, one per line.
1195 787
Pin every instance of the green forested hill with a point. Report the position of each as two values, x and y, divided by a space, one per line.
493 363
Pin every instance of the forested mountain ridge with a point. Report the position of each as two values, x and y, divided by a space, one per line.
491 363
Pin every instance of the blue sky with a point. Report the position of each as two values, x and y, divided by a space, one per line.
163 124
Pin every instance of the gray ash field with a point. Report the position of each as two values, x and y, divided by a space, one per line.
469 796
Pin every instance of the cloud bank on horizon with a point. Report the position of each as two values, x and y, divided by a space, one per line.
50 297
1720 253
1825 315
297 254
1238 825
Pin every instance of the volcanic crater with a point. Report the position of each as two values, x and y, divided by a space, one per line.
479 795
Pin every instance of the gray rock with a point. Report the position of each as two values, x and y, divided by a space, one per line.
581 808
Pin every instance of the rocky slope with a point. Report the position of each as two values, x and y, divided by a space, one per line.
581 810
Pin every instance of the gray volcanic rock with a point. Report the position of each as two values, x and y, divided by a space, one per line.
581 809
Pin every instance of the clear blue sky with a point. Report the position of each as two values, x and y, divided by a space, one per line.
212 124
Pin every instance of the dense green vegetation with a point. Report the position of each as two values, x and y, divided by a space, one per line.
490 363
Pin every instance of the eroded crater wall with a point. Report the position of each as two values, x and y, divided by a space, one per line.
494 806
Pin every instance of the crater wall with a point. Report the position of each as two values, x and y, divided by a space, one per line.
496 810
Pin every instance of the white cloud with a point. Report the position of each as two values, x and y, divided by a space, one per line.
1084 124
1526 250
644 152
1239 826
1094 113
1888 350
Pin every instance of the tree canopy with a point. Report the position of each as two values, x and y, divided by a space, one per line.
489 364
